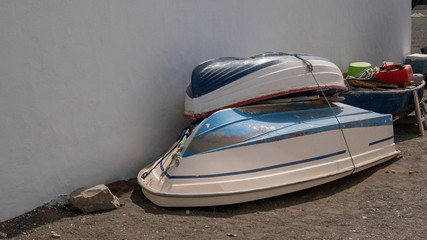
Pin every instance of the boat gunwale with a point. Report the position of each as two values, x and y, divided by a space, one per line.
406 90
195 116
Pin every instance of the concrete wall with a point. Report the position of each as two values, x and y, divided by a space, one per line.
91 91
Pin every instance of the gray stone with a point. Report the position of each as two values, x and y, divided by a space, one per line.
92 199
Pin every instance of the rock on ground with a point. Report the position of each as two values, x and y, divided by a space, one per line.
92 199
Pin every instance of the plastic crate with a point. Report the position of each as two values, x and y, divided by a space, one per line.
418 62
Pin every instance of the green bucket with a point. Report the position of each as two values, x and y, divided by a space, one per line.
357 67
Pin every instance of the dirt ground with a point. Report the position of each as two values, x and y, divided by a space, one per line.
388 201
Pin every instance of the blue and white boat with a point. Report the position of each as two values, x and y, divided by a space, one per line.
259 151
231 82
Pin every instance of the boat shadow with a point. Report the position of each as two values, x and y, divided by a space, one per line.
406 128
279 202
405 131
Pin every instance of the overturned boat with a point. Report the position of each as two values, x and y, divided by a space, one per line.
264 150
231 82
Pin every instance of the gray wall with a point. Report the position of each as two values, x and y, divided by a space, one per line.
92 90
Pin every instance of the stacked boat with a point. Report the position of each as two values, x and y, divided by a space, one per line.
232 82
265 126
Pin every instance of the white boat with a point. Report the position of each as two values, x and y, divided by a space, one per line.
255 152
232 82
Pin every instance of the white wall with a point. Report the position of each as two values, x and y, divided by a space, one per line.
91 91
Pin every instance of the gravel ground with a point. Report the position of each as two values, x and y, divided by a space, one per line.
388 201
419 29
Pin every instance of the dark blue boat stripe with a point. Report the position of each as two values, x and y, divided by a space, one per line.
379 141
254 170
219 78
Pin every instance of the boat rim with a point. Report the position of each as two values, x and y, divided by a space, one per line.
421 85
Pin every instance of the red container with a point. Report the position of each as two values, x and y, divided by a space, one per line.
396 73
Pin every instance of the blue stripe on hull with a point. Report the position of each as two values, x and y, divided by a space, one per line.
254 170
380 141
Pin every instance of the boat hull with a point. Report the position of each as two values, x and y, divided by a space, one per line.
243 172
232 82
395 102
170 200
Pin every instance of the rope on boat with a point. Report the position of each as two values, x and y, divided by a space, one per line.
177 156
177 145
310 69
307 64
368 73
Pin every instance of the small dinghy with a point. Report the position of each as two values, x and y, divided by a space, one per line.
398 102
232 82
259 151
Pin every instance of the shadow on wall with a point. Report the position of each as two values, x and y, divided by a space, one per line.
167 77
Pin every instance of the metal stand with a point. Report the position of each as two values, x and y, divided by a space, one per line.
420 113
420 117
